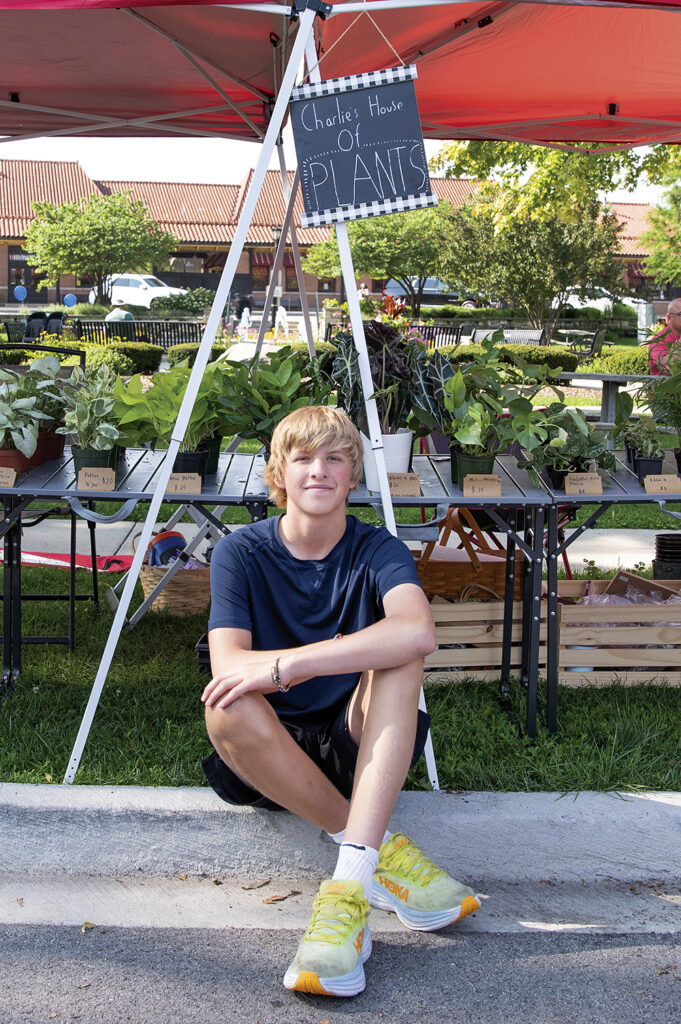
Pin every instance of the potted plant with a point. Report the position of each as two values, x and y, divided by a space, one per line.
572 446
486 407
648 447
398 373
20 422
41 380
251 398
89 419
147 415
663 398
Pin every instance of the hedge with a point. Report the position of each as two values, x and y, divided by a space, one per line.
193 301
189 350
621 359
552 356
96 355
459 313
145 357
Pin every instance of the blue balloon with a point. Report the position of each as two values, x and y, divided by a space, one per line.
20 293
70 300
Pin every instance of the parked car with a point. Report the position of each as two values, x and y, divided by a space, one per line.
435 293
138 289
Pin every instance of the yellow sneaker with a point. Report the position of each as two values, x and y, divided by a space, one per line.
423 896
332 952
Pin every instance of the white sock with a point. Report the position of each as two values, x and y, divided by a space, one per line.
339 837
357 863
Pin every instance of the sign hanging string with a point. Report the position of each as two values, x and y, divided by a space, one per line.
337 41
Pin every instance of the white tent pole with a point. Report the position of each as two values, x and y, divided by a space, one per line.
290 194
368 389
297 52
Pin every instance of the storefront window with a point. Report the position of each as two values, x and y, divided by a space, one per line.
260 275
291 280
326 284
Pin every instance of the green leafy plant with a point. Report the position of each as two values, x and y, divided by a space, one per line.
20 415
189 350
663 398
573 446
645 438
252 397
147 415
88 408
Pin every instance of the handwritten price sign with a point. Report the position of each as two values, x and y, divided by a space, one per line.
482 485
583 483
662 483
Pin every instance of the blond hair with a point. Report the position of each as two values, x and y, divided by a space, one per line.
309 429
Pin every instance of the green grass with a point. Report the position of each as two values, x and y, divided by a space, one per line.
632 517
149 729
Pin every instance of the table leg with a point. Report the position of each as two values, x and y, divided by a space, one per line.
608 400
534 617
7 605
552 621
507 636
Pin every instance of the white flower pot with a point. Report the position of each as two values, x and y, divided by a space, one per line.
397 452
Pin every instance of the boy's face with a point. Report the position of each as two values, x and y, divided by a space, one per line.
317 483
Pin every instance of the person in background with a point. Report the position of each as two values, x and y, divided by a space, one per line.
665 346
363 292
317 633
118 312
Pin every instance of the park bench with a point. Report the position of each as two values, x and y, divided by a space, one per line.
155 332
515 336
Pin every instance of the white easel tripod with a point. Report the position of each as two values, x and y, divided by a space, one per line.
303 48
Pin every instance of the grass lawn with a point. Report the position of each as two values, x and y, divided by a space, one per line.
149 726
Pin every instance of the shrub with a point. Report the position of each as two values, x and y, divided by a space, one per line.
619 309
86 311
194 301
189 350
15 356
552 356
459 313
145 357
621 359
103 355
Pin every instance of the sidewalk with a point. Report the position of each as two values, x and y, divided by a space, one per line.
609 549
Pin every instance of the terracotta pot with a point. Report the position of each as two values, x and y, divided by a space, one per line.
12 458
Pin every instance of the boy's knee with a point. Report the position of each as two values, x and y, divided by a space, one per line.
247 720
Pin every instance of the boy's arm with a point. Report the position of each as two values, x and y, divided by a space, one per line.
404 635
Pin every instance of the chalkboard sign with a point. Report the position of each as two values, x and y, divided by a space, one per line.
360 147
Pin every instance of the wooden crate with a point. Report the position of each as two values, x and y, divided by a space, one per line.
478 626
601 644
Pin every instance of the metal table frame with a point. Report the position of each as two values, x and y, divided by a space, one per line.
239 482
620 486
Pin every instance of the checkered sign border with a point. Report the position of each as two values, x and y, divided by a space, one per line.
341 213
350 83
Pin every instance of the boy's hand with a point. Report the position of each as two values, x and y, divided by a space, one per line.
252 673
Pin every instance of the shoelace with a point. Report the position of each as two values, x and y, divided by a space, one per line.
333 917
409 861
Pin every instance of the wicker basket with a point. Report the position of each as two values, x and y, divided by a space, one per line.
187 593
447 571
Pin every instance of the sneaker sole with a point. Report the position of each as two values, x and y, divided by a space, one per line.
345 985
419 920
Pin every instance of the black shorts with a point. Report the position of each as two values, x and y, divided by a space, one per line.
327 742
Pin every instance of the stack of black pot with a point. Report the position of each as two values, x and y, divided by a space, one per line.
667 561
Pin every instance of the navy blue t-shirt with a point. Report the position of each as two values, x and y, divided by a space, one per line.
258 585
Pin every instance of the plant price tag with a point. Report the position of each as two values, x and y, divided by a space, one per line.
662 483
482 485
405 485
583 483
184 483
96 479
7 476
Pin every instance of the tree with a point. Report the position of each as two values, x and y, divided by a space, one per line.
536 261
98 237
664 239
403 246
548 175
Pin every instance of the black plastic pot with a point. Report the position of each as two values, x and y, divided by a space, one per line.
89 458
631 452
643 466
191 462
555 477
462 465
677 456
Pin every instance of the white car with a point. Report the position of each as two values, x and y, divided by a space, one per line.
602 300
138 289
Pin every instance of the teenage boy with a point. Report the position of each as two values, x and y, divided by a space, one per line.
318 629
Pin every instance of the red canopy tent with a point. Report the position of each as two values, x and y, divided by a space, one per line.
544 71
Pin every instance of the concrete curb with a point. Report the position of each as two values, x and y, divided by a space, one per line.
489 837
